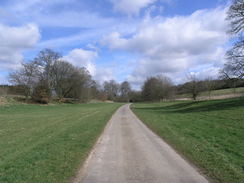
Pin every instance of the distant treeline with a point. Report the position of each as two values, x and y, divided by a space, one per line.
152 90
123 93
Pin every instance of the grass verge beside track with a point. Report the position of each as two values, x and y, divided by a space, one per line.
208 133
48 143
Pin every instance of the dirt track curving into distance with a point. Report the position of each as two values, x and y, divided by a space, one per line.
128 152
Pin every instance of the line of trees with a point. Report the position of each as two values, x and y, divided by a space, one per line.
161 88
48 77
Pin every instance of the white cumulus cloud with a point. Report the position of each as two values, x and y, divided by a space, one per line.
131 6
86 58
15 40
82 58
175 45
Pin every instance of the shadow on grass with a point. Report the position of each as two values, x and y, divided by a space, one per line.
197 106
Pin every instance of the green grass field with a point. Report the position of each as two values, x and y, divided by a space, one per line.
208 133
47 144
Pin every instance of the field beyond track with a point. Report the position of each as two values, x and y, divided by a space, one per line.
209 133
48 143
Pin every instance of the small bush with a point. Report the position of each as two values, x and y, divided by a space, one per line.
41 93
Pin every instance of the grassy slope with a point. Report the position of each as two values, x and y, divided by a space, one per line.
224 92
48 143
228 91
209 133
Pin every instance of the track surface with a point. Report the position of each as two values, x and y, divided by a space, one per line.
128 152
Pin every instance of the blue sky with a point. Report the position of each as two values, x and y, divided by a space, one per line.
118 39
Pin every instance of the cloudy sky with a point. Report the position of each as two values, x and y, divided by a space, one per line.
118 39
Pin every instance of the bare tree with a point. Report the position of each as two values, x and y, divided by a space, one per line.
82 84
166 87
156 88
76 83
193 86
93 90
125 90
27 77
62 72
111 88
45 61
209 85
236 16
151 90
234 67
